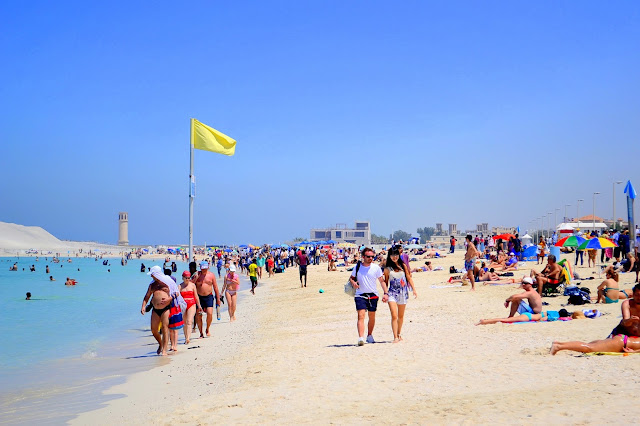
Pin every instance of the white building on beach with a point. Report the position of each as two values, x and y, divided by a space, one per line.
359 234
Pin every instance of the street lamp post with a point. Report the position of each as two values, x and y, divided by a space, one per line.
549 223
555 219
614 202
578 210
540 233
565 212
594 211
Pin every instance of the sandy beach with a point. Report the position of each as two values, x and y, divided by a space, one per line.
291 358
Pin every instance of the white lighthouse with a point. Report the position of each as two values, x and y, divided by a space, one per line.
123 229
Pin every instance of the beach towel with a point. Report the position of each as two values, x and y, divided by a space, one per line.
446 286
609 353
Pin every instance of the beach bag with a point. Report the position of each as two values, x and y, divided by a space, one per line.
348 287
572 291
452 270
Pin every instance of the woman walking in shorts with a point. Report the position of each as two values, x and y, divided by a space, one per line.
398 280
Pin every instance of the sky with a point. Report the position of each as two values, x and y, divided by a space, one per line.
402 113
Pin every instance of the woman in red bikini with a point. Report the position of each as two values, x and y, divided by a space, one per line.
188 291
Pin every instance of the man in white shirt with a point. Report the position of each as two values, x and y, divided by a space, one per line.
366 297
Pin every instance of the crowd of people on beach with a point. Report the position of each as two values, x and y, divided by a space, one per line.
528 306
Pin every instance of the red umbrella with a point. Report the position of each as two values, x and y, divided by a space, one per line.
504 237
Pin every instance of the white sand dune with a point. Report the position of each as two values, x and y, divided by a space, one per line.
14 237
20 237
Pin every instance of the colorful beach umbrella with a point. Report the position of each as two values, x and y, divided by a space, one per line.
596 244
570 241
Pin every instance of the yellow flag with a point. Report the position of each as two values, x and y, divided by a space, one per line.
209 139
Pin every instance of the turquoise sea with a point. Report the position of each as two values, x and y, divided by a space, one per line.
64 346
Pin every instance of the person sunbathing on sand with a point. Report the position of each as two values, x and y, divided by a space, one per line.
625 340
550 274
528 306
427 267
608 290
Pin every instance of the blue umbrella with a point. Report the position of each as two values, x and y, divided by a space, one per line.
285 246
331 242
275 246
244 246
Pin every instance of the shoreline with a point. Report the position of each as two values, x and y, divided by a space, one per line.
143 393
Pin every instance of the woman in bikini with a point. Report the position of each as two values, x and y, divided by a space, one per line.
230 289
398 279
608 291
625 339
188 291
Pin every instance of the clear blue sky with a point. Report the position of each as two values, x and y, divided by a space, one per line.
404 113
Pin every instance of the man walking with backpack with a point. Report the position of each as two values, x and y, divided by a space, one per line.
363 278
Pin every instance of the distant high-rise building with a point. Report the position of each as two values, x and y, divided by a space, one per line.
438 228
123 229
453 228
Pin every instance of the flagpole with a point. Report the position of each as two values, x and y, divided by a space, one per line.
191 195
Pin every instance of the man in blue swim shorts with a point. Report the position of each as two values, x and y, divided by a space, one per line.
527 302
470 261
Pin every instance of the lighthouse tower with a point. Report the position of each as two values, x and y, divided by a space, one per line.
123 229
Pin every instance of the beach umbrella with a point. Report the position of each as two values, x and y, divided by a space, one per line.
331 242
285 246
243 246
597 243
275 246
504 237
570 241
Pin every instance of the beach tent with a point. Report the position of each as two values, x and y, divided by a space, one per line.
526 240
530 253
